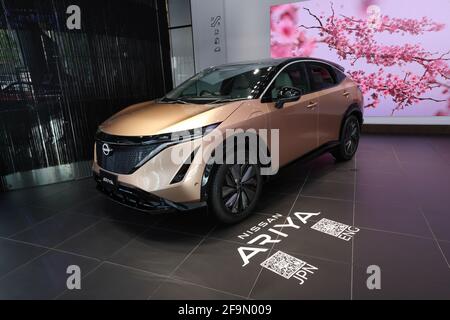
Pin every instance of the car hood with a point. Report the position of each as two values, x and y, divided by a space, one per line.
152 118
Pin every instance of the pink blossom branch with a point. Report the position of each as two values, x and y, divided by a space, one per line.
315 17
354 39
430 99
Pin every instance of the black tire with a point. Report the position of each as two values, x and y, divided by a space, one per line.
349 140
234 191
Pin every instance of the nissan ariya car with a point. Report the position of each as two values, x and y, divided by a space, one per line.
164 154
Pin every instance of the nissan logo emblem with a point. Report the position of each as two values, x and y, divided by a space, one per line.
106 149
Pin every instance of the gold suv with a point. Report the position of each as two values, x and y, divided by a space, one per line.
215 138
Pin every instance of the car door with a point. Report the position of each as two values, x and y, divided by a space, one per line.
296 121
333 98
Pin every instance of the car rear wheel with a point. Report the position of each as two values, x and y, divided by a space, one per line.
349 140
235 190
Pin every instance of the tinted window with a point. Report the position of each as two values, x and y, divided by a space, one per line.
340 76
322 76
227 82
293 76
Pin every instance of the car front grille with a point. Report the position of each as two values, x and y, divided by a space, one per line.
134 198
122 159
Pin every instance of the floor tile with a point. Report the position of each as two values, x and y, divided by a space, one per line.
157 250
17 218
296 171
78 192
273 203
32 195
333 175
178 290
112 282
279 185
102 240
379 155
211 257
379 178
392 218
44 277
198 222
387 194
411 268
382 166
375 144
445 246
439 222
15 254
337 210
56 230
326 189
331 280
327 161
418 155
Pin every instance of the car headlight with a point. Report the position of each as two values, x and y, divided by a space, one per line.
183 136
167 140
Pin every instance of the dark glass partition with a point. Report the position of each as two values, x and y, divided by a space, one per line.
57 85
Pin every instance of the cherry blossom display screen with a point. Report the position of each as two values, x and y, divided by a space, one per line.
397 51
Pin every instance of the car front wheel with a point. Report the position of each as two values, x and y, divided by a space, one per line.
235 190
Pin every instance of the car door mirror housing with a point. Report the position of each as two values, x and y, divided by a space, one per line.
287 94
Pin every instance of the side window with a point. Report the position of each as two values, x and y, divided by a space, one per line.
293 76
340 76
322 76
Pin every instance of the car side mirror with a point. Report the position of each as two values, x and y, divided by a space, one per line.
287 94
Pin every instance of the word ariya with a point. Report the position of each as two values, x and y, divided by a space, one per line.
248 252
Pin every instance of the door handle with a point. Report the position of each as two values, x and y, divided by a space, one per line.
346 94
312 105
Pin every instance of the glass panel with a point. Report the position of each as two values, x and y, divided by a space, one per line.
321 77
179 13
182 54
293 76
232 82
57 86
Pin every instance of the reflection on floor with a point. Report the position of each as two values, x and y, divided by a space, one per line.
392 203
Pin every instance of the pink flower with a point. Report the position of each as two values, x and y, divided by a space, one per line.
284 32
442 114
305 46
284 11
281 51
365 4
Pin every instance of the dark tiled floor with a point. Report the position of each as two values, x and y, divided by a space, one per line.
396 192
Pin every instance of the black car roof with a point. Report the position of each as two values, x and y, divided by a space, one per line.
282 62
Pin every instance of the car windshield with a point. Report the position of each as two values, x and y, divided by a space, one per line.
221 84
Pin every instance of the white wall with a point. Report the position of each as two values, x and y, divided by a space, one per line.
247 24
246 30
209 33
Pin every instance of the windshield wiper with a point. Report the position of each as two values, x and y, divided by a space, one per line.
227 100
173 101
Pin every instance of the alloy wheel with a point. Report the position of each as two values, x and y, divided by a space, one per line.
351 137
239 187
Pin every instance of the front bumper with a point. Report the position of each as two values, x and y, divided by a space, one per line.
131 197
141 200
155 179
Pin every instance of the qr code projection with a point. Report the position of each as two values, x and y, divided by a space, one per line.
283 264
330 227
